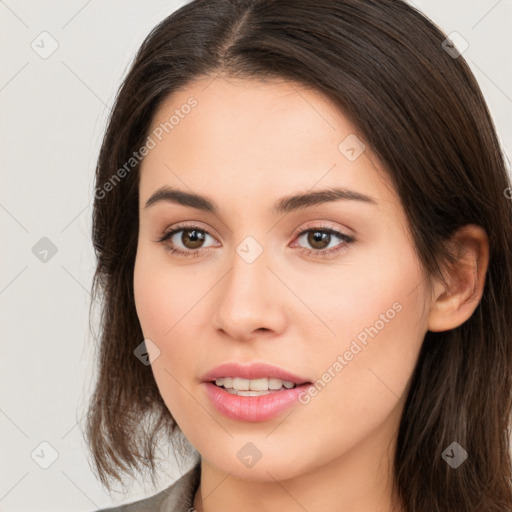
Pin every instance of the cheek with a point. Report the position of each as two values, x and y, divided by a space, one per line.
161 303
367 287
373 305
163 294
379 324
370 379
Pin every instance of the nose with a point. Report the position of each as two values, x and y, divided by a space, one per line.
250 300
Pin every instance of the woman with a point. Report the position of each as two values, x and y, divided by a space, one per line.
304 249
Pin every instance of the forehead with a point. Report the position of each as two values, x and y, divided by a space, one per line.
255 140
253 118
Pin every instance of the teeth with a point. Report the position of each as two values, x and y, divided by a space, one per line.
241 384
248 393
264 384
275 383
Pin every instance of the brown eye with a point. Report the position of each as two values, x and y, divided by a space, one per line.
318 239
185 240
322 242
189 241
192 238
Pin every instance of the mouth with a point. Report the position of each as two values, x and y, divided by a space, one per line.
254 387
252 393
253 379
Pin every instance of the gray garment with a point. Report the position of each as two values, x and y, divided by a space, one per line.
178 497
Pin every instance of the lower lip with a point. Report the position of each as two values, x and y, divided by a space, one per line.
253 408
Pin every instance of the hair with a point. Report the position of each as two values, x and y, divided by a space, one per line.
420 109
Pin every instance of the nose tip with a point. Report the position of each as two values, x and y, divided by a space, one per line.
247 303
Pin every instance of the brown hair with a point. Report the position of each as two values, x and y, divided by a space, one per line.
421 111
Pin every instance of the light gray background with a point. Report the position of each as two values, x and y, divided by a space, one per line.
54 112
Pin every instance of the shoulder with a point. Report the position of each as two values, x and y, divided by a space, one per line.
178 497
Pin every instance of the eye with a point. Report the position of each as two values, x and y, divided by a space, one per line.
193 237
320 238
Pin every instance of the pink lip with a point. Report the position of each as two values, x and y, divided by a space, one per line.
252 371
252 408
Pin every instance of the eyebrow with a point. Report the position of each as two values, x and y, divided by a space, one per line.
283 205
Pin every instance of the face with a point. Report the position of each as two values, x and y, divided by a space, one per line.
330 291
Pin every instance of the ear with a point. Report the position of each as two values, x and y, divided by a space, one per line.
453 304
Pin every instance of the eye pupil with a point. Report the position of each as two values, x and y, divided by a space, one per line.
192 236
316 237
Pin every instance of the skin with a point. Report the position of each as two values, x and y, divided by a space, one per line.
246 144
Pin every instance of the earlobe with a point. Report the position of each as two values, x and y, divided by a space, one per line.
454 303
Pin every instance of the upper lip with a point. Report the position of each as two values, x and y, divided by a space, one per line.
252 371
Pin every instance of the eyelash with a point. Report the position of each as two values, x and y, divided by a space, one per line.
320 253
